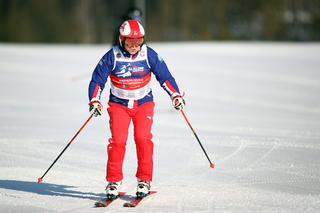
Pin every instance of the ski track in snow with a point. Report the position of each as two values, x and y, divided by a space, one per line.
238 150
255 107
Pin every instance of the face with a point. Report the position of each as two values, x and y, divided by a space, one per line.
132 45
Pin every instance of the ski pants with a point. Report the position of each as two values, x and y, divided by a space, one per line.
120 118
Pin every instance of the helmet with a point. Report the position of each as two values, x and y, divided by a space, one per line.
130 29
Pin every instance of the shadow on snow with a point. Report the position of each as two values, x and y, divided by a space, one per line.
48 189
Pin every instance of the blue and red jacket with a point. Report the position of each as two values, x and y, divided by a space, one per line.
130 76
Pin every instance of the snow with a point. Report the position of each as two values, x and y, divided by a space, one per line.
255 107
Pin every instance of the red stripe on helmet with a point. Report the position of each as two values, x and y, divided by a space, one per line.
135 29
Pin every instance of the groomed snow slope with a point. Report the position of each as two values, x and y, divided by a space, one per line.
254 106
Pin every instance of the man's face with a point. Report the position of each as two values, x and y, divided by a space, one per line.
132 45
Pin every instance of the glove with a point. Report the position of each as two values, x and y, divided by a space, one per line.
95 108
177 101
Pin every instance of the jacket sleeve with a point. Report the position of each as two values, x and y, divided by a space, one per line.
162 73
100 76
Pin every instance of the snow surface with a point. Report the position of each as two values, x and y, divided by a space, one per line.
254 106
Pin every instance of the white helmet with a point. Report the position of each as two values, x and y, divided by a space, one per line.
130 29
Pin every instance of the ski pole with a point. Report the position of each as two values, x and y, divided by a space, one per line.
40 178
195 134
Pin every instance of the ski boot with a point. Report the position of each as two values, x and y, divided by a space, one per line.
143 189
112 190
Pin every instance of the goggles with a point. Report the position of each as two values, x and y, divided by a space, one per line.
133 42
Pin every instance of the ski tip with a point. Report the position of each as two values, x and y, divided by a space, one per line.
99 204
212 165
39 180
129 205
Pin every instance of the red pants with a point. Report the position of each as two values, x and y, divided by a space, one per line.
120 118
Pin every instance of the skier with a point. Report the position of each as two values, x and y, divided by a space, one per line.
129 66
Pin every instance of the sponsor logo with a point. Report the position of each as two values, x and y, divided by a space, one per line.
128 70
136 69
123 71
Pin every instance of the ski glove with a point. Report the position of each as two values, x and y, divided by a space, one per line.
95 108
177 101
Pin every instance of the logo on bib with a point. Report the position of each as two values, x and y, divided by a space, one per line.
128 70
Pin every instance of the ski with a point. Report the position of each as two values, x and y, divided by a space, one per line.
106 202
136 201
